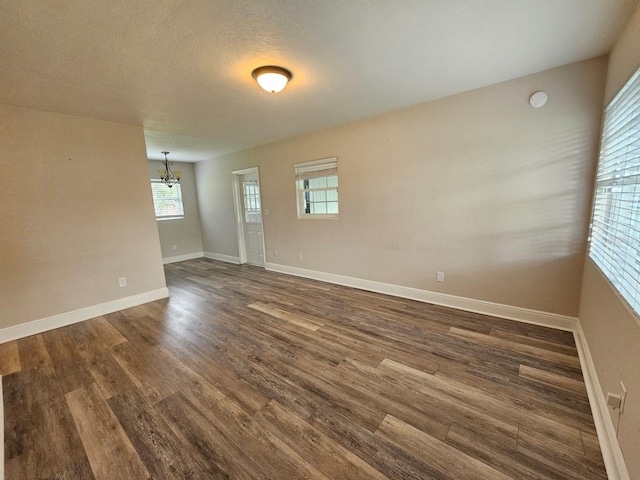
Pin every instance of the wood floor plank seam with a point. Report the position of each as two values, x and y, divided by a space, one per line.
522 418
100 430
247 374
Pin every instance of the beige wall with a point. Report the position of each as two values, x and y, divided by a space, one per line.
624 59
611 330
613 336
215 198
76 214
479 185
185 233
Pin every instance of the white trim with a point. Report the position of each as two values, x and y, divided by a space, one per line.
611 452
182 258
316 162
237 209
324 164
56 321
536 317
245 171
239 213
222 257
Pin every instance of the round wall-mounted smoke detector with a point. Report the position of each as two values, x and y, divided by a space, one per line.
538 99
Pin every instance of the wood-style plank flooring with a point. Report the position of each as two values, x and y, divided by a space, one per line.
247 374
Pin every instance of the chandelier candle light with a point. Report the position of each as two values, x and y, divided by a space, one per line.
168 176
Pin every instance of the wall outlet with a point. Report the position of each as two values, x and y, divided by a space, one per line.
266 211
275 252
122 281
440 276
175 247
300 256
614 400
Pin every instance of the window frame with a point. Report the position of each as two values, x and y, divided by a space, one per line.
251 202
615 213
328 164
160 218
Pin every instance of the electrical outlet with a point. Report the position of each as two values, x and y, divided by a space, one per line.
175 247
266 211
440 277
122 281
623 397
614 400
300 256
275 252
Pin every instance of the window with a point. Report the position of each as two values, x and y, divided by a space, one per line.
317 188
251 201
167 201
615 227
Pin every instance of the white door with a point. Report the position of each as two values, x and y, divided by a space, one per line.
252 218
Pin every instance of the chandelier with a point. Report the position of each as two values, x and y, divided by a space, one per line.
168 176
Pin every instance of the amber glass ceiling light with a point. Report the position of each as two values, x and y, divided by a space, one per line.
168 176
272 79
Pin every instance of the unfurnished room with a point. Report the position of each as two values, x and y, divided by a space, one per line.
341 239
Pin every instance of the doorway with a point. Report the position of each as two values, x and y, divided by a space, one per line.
248 205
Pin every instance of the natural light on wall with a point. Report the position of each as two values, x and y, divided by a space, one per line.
615 230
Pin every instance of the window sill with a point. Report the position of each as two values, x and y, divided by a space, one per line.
162 219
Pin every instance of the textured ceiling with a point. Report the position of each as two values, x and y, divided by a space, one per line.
182 69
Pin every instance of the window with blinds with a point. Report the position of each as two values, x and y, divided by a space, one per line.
615 227
167 202
317 188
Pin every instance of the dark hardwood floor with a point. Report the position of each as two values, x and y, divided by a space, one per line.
247 374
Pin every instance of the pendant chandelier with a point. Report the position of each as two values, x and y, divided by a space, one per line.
168 176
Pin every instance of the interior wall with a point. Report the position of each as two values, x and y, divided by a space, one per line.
184 233
611 329
480 185
215 199
76 214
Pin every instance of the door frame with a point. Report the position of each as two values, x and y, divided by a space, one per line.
237 205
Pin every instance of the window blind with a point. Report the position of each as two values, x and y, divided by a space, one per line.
167 202
308 171
317 188
615 227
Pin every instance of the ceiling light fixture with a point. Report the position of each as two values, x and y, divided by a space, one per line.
168 176
272 79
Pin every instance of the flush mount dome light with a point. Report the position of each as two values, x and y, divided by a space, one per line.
272 79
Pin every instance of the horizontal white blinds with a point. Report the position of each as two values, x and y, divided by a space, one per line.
167 202
306 171
615 230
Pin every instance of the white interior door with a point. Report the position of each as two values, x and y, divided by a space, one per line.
252 218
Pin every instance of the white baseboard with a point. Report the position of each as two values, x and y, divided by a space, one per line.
182 258
553 320
222 257
56 321
611 452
